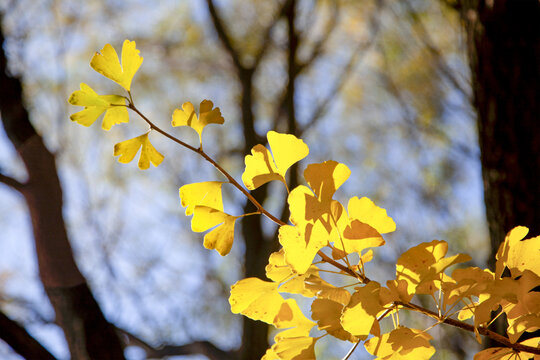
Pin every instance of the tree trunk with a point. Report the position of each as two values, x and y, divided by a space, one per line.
88 334
504 51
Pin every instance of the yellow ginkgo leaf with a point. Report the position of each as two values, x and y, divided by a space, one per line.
499 353
294 344
325 290
360 314
325 178
256 299
424 263
290 316
263 166
367 212
401 344
278 270
129 148
359 236
301 244
94 105
327 314
106 63
221 238
206 193
187 116
518 255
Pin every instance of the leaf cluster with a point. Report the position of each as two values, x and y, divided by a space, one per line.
324 234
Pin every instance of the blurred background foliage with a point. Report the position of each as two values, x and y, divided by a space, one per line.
385 89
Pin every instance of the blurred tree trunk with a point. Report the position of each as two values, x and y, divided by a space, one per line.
503 38
88 334
503 42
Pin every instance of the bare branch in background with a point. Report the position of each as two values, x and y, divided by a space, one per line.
21 341
11 182
205 348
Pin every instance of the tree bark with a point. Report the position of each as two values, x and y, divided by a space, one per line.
504 51
88 334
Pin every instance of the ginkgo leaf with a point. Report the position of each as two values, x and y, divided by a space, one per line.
114 107
325 290
360 314
294 344
129 148
325 178
301 245
518 255
396 290
359 236
327 313
221 238
368 213
206 193
188 117
263 166
278 270
499 353
422 264
290 316
106 63
256 299
401 344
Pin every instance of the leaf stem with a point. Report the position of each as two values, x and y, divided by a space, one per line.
462 325
199 151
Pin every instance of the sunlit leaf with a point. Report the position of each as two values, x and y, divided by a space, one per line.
256 299
95 105
106 62
206 193
327 313
278 270
129 148
401 344
499 353
290 316
368 213
301 245
422 264
325 290
263 166
294 344
518 255
361 312
220 238
207 115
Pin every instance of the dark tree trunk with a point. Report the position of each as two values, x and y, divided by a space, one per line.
88 334
504 53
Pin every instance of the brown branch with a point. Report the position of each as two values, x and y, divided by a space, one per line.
21 341
11 182
205 348
462 325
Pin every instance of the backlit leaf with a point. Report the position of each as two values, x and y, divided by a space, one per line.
327 313
423 264
361 312
129 148
256 299
518 255
221 238
325 290
94 105
278 270
106 62
207 115
290 316
263 166
294 344
401 344
368 213
301 245
204 194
